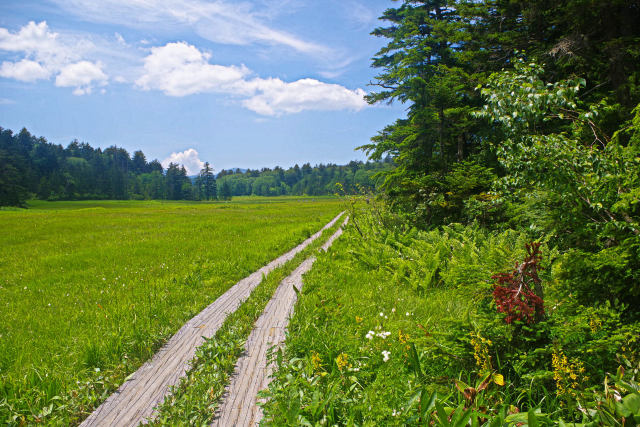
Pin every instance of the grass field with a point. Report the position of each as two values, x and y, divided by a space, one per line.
89 290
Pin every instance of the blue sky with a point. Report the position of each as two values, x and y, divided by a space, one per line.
235 83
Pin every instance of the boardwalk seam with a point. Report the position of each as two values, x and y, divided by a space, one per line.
253 372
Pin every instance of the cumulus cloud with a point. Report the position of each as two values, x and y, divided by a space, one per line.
176 69
46 55
25 70
188 158
275 97
229 22
83 76
180 69
37 43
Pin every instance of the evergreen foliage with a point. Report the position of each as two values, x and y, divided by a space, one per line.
440 51
31 167
306 180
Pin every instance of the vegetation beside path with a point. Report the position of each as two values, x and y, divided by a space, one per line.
90 290
397 326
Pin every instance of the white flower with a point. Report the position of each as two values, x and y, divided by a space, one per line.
381 314
395 413
393 310
385 355
383 334
370 335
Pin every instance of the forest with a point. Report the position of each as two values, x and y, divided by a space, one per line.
31 167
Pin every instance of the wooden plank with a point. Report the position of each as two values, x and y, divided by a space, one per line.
134 402
252 373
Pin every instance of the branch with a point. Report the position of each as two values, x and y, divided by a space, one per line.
382 85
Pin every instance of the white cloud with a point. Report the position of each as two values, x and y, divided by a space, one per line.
235 22
46 54
180 69
25 70
83 76
188 158
275 97
37 43
6 101
177 69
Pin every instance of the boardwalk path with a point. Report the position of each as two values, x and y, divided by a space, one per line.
136 399
252 371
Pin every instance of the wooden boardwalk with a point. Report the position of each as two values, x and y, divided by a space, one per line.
136 399
252 373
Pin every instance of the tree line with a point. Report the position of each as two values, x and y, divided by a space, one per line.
314 181
31 167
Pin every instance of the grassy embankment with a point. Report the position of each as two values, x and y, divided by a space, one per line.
89 290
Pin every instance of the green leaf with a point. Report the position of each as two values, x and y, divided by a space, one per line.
415 361
632 403
532 419
429 405
442 414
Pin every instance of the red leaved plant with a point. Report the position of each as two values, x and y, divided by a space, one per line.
519 294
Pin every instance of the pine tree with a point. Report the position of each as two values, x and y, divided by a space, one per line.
207 183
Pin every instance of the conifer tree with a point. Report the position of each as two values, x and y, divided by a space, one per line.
207 183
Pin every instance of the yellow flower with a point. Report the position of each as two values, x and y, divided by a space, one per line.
316 360
565 374
342 361
498 379
402 337
358 319
481 352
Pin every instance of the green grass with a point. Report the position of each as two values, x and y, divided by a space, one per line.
198 395
89 290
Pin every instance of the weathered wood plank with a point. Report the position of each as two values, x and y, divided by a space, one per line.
135 400
252 373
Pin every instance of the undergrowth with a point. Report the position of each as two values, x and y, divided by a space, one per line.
401 327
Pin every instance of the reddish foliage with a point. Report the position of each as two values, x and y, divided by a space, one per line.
513 293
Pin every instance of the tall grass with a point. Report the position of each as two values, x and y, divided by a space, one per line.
89 290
